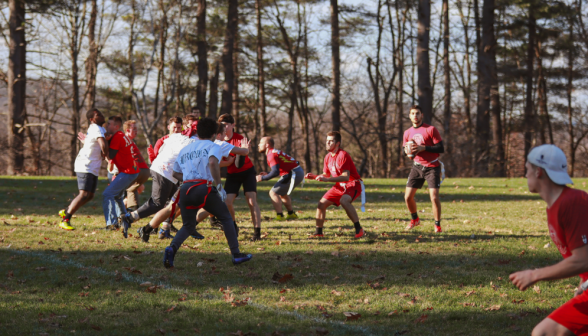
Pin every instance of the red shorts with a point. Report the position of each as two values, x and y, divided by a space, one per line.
573 314
352 189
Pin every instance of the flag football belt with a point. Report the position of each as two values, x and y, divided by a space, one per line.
198 182
441 165
344 185
293 180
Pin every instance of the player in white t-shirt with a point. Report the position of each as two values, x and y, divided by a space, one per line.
87 166
164 184
198 166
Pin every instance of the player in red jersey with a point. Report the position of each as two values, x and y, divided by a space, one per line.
241 172
567 210
422 143
339 168
121 152
174 125
290 172
132 200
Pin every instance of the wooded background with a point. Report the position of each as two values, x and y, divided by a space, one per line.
496 78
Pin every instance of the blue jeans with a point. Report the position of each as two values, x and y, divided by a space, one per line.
112 197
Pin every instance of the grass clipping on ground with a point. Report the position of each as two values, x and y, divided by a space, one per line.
391 282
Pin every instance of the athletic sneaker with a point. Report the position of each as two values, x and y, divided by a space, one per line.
128 217
215 223
239 258
168 257
125 224
438 229
62 213
360 234
66 225
143 235
317 235
280 218
255 238
172 228
165 234
112 227
413 223
196 235
292 216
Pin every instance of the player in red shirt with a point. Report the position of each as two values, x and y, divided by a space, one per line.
339 168
241 172
567 210
122 154
137 187
174 125
422 143
290 172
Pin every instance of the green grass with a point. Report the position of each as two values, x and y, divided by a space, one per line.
402 283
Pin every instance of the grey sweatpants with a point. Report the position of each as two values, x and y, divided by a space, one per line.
281 187
213 204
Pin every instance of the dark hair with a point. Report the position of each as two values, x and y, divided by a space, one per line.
128 124
116 119
176 120
189 118
270 141
195 108
415 107
226 118
220 128
335 134
206 128
91 112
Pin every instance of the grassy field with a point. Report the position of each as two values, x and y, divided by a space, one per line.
89 281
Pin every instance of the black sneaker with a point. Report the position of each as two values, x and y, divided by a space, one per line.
144 235
126 224
196 235
239 258
173 228
255 238
215 223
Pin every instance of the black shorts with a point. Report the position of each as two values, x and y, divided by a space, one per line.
418 175
87 182
246 178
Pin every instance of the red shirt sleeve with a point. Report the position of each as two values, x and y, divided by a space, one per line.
435 136
158 145
115 141
271 159
326 170
345 162
405 138
574 215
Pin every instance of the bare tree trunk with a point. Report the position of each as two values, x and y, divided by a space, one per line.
448 141
425 92
162 39
213 103
260 72
528 116
236 85
227 57
499 160
484 85
542 97
131 50
16 87
202 58
291 118
75 19
336 61
570 88
92 60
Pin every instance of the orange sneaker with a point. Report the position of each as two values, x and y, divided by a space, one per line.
360 234
438 229
317 235
413 223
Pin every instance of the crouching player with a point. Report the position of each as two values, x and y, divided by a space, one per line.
198 167
290 172
567 210
339 168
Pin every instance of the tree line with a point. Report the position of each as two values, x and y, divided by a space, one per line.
496 78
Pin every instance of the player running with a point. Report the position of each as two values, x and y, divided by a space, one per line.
87 166
241 172
290 172
198 166
566 219
132 200
339 167
121 154
422 143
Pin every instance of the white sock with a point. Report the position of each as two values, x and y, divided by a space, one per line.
135 215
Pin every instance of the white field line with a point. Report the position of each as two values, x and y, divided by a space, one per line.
138 279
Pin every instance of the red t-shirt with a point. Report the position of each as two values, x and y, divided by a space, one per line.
286 162
567 220
232 169
425 135
335 165
139 158
125 158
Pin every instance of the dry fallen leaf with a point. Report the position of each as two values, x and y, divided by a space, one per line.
537 289
334 292
470 293
146 284
351 316
393 313
421 319
171 309
494 307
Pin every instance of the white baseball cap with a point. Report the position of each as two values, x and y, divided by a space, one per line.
553 160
